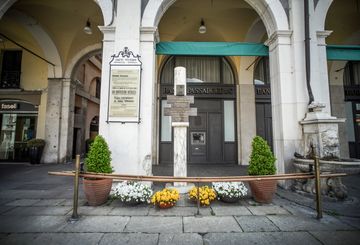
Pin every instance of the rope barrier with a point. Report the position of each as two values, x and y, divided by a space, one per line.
197 180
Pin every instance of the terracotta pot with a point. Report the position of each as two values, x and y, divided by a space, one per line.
97 190
263 190
165 205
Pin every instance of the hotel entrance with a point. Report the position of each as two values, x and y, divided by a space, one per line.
211 134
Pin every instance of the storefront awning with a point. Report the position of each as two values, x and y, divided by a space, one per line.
212 48
334 52
343 52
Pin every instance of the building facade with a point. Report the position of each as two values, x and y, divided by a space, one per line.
246 67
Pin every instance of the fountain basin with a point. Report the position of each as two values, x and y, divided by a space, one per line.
348 166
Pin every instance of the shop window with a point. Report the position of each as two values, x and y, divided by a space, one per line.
10 69
261 72
98 87
352 74
199 69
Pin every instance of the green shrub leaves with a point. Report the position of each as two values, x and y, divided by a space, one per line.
262 160
98 159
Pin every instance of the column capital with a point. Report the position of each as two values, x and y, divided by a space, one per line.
321 36
279 37
149 34
109 32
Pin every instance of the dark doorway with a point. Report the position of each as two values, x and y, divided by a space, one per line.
264 122
205 134
212 133
263 100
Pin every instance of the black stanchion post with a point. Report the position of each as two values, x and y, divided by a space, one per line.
75 216
198 198
318 187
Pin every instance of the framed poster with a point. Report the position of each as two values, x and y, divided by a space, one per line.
124 89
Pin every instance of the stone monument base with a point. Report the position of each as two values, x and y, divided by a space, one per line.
183 188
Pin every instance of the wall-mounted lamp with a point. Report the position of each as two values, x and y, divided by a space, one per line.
87 28
202 28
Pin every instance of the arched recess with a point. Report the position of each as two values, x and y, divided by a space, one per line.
106 7
271 13
94 87
5 5
81 56
44 40
320 14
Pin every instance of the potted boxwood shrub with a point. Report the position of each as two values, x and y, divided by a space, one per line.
98 160
262 162
36 148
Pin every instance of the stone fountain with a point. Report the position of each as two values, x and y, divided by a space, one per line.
321 132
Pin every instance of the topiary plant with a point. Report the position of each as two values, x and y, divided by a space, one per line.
35 143
98 160
262 160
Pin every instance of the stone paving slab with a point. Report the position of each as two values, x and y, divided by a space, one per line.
354 222
4 209
68 238
49 202
28 194
129 239
268 238
23 202
180 239
179 211
338 237
129 211
69 202
89 210
230 210
256 223
211 224
267 210
97 224
26 211
4 201
22 238
152 224
32 223
301 223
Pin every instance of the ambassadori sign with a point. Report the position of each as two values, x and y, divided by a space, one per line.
124 90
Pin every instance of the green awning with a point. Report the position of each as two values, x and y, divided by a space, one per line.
343 52
334 52
212 48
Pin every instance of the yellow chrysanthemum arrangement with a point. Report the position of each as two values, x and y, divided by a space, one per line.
165 198
206 195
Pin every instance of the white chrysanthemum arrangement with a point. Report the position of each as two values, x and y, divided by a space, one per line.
132 192
230 189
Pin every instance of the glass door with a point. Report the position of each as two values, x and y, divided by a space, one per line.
16 130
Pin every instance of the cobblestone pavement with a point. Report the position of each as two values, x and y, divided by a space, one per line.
35 208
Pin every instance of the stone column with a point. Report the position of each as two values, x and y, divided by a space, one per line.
130 143
59 120
284 99
148 100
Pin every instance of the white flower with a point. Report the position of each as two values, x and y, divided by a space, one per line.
230 189
129 191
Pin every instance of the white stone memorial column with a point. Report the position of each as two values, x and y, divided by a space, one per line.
180 111
180 130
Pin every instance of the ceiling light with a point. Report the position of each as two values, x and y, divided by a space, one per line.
202 28
87 28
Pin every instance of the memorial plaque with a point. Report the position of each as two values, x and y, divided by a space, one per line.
124 89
